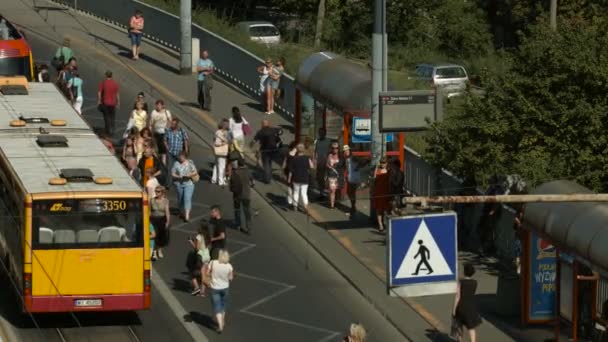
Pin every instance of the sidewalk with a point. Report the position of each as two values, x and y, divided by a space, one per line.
351 246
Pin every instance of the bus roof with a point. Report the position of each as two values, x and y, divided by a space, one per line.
35 163
43 101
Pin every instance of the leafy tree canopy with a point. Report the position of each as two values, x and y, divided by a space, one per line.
545 119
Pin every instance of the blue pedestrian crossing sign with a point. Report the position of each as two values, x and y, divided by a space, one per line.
422 254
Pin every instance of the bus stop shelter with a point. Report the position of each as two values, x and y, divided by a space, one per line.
579 233
335 93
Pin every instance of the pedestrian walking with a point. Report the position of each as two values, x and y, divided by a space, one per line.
353 179
221 273
199 259
184 172
176 141
160 217
380 196
395 183
464 311
148 161
238 127
160 120
322 145
268 138
299 175
217 227
333 173
356 333
221 144
139 117
152 242
136 27
152 183
63 54
240 186
141 97
272 85
108 99
263 71
75 88
291 153
43 74
205 68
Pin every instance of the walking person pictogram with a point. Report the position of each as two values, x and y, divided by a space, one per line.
425 255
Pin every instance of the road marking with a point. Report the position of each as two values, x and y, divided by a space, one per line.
191 327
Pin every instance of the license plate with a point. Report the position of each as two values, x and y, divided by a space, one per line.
87 302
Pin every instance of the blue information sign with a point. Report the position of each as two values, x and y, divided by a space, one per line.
542 266
422 251
362 130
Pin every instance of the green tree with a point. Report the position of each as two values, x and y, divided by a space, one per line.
545 119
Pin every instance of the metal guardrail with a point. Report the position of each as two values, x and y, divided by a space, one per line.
235 64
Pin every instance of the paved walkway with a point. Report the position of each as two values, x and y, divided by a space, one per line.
352 246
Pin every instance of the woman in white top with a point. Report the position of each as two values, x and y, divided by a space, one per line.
152 182
235 126
139 116
222 273
160 119
263 70
220 146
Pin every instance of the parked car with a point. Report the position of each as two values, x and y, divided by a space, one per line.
261 31
451 78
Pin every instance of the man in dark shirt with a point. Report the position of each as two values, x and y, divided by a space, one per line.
218 229
240 186
268 138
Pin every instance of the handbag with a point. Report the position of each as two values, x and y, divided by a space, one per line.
247 128
456 329
196 177
221 151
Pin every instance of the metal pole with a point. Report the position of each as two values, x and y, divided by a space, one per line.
185 16
553 14
384 63
423 200
377 53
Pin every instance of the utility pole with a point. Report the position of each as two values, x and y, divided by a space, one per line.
378 47
553 15
185 16
320 20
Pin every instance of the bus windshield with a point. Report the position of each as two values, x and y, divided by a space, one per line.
87 223
15 66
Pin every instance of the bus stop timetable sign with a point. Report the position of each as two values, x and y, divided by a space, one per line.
403 111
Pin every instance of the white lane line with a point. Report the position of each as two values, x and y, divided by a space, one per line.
191 327
286 288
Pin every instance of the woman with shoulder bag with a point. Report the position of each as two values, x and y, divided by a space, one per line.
220 150
160 218
184 173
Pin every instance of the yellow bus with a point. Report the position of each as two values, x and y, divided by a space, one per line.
74 233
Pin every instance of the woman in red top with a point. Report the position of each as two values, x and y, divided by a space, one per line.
136 27
381 199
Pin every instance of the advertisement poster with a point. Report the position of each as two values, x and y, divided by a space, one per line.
542 276
362 130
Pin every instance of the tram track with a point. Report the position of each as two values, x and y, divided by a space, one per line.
98 333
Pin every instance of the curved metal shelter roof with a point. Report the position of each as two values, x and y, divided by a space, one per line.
336 81
579 227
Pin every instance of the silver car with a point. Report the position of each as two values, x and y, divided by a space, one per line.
451 78
261 31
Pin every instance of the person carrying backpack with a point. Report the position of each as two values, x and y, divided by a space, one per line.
240 186
269 139
63 54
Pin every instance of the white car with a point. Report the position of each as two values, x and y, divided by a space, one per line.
451 78
261 31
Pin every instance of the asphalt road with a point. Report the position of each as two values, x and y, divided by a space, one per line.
283 290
